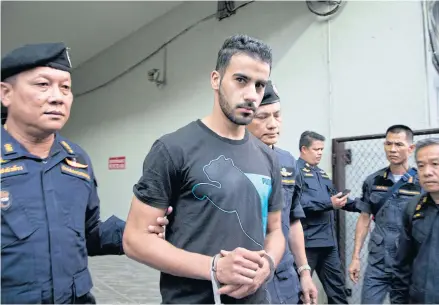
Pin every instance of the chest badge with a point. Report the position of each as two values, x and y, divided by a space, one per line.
76 162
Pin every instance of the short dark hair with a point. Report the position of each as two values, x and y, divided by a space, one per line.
401 128
242 44
308 137
425 143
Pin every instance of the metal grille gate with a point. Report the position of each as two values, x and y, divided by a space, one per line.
353 159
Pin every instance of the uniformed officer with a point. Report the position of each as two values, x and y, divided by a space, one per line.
319 199
385 196
49 204
285 287
416 266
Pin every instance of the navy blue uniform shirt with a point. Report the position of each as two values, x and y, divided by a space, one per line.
315 189
416 269
387 214
50 223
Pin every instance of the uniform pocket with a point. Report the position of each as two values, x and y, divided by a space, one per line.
312 184
82 283
286 283
16 226
375 197
75 249
376 249
329 186
74 195
418 233
18 248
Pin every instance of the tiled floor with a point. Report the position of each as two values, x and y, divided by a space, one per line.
119 280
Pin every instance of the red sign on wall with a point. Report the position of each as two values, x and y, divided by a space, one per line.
116 163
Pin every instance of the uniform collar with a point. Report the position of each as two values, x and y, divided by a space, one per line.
424 201
427 199
386 175
303 163
12 149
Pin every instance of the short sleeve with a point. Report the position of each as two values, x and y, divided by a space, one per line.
275 202
364 203
159 182
296 211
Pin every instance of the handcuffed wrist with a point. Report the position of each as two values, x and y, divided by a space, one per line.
214 279
272 267
214 269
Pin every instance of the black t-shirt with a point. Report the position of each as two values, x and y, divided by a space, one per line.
221 191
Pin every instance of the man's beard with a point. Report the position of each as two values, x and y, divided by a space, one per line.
242 120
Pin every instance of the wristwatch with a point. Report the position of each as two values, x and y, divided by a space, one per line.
304 267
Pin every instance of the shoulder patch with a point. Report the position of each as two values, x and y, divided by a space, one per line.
8 148
5 200
286 172
67 147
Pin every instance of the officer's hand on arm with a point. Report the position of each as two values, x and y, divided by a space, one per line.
339 202
147 248
159 227
102 238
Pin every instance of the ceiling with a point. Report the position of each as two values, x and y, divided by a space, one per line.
87 27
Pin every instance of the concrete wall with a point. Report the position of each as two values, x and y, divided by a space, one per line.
355 74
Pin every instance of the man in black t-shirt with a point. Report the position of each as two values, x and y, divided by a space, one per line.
224 186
